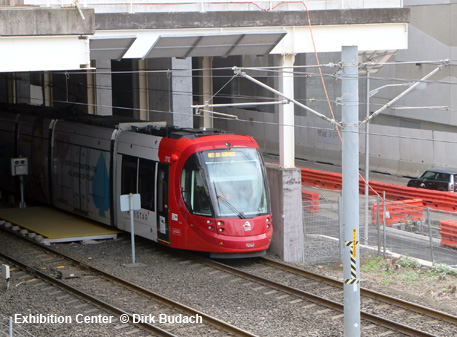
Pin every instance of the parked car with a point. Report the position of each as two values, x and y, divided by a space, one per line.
437 179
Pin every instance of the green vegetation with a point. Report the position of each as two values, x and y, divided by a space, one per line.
443 270
408 262
411 276
385 281
405 269
373 264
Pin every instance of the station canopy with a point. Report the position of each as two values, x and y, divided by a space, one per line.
214 45
182 46
102 48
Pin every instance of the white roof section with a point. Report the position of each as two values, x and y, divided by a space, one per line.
43 53
226 44
53 53
110 47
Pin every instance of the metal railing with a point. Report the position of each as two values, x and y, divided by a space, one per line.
136 6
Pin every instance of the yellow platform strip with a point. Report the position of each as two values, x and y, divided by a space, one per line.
54 224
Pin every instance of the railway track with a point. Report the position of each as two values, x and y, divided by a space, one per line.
371 294
379 309
87 297
58 308
163 316
321 295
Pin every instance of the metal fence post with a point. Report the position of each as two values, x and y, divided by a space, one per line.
430 234
378 220
11 327
384 222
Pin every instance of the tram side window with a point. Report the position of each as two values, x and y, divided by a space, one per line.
146 188
129 171
194 192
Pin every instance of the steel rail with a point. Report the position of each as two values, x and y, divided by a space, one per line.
164 300
311 297
367 292
108 307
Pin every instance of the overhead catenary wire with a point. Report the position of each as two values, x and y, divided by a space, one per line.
296 74
242 120
278 69
313 99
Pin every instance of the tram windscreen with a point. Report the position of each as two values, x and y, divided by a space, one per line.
234 180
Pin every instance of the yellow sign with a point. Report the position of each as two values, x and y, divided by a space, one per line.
354 243
221 154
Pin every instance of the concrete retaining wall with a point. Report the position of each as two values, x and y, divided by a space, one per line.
285 191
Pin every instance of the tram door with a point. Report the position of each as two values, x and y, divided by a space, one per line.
139 176
163 231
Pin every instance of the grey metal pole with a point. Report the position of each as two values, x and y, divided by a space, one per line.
132 232
384 223
367 157
22 203
430 234
341 226
350 163
11 327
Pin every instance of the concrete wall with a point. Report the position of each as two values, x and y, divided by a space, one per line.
20 21
431 37
176 20
394 150
405 151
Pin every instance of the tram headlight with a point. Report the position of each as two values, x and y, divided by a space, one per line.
220 229
210 228
220 223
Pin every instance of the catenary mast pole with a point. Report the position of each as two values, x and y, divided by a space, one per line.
350 170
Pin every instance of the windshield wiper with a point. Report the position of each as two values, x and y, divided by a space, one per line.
228 204
232 208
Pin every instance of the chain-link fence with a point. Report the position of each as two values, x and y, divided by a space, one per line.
401 227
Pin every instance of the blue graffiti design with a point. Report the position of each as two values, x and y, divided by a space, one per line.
100 188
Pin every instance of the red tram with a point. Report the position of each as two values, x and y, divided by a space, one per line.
200 190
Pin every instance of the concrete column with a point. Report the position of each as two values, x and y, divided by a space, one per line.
286 113
103 87
47 81
4 89
285 191
159 84
207 66
91 93
23 88
11 87
182 92
143 89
